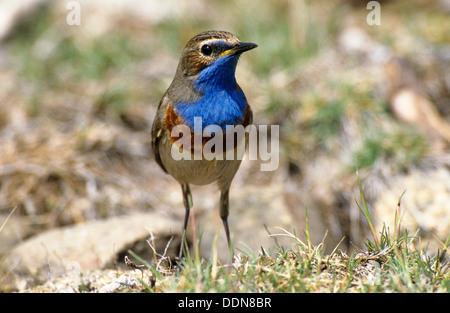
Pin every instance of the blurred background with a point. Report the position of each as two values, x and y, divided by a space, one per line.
77 104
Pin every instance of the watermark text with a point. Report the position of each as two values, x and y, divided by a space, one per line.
213 142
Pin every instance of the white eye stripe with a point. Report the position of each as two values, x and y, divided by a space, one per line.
221 44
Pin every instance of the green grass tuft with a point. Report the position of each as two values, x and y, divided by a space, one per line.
392 263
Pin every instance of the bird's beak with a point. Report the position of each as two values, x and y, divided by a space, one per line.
239 48
244 46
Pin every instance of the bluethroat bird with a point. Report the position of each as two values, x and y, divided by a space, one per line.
204 87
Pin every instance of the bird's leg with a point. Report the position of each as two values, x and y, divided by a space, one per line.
224 216
187 199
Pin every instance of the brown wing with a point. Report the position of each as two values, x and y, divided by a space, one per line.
248 116
158 129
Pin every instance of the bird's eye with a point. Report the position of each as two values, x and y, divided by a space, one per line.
207 50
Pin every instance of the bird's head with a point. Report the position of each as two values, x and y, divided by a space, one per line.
204 84
212 55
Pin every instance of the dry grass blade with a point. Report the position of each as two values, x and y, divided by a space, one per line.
290 235
7 218
162 261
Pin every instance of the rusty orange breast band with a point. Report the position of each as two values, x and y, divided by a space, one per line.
183 136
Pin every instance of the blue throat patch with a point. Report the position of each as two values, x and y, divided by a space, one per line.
221 102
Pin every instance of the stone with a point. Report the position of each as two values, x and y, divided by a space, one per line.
425 206
88 246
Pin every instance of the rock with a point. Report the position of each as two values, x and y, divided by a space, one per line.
88 246
412 96
15 230
425 205
355 41
416 109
